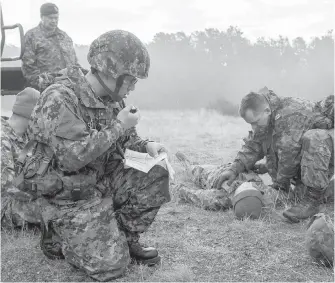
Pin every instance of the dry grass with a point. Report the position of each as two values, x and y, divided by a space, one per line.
195 245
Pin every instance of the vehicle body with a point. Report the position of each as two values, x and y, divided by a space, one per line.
12 80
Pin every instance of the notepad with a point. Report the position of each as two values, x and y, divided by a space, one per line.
144 162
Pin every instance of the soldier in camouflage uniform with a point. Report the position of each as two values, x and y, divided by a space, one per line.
82 123
296 137
206 195
16 207
47 49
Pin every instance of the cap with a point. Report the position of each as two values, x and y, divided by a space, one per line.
48 9
25 102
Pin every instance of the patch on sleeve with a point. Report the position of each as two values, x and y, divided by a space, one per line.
71 128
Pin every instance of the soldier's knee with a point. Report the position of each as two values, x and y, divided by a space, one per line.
159 171
101 261
160 176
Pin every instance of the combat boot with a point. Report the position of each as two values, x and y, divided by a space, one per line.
50 242
308 206
183 159
143 255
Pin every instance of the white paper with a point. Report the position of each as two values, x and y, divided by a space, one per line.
144 162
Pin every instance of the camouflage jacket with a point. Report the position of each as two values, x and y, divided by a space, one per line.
11 146
81 129
290 119
46 52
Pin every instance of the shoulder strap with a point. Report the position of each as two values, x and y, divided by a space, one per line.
18 167
47 157
47 154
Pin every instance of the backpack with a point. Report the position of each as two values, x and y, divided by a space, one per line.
34 173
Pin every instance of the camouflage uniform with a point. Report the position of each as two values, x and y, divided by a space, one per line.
112 205
298 143
46 52
14 212
208 197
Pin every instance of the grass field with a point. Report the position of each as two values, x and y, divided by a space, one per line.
195 245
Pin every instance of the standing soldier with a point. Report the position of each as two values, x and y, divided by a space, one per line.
82 126
16 207
296 136
47 49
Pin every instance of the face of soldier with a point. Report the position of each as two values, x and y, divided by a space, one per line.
50 22
259 121
127 86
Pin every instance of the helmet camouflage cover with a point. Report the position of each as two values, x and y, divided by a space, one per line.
320 239
119 52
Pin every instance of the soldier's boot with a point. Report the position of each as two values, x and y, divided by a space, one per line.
143 255
298 193
183 159
50 242
308 206
186 163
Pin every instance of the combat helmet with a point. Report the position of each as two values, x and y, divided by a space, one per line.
118 53
247 201
320 239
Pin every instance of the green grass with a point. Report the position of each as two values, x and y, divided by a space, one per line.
195 245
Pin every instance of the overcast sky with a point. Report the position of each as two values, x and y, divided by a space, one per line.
84 20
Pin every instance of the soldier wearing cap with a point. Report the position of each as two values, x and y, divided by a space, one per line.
48 49
102 208
16 207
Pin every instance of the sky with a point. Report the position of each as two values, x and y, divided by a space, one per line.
84 20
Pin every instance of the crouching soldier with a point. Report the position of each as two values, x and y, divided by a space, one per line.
17 208
81 127
296 136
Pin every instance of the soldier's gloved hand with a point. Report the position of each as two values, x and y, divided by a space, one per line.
227 175
154 148
260 169
127 118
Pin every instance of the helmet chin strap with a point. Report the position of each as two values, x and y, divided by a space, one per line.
113 94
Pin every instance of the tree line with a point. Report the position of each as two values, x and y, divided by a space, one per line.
213 67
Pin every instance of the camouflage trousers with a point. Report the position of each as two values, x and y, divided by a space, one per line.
317 162
16 213
138 197
206 196
316 165
95 234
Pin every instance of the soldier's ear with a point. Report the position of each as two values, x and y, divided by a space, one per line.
267 110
